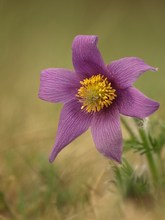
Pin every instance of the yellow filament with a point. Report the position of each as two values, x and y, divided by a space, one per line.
95 93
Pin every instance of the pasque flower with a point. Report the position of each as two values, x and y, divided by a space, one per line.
94 95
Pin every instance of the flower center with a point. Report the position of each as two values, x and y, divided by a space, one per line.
96 93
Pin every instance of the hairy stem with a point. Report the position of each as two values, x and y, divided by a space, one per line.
149 156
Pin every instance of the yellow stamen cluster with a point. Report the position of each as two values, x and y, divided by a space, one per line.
96 93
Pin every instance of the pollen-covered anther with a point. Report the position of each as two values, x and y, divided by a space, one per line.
96 93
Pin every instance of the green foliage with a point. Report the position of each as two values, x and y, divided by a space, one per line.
133 144
149 142
157 135
41 190
130 184
59 190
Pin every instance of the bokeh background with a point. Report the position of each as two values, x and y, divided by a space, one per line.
37 34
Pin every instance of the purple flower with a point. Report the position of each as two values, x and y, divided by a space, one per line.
94 95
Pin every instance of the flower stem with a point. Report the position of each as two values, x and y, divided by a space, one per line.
149 155
146 145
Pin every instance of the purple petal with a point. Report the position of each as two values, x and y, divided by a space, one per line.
125 71
106 133
86 57
73 122
58 85
132 102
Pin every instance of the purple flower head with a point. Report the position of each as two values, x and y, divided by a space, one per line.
94 95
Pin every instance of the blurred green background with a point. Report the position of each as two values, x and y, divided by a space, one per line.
38 34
